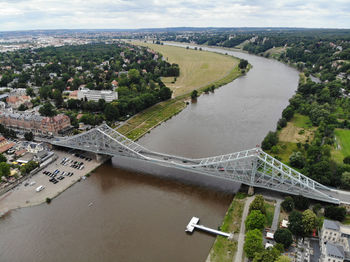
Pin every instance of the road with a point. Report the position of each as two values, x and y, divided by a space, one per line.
239 253
276 215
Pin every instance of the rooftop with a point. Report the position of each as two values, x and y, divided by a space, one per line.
329 224
335 251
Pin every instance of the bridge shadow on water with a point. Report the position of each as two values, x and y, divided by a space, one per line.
179 175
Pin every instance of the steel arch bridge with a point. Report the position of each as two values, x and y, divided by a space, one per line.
251 167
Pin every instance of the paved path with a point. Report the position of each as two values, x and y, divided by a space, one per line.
276 215
239 253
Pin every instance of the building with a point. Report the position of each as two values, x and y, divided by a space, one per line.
37 124
334 242
95 95
5 144
15 101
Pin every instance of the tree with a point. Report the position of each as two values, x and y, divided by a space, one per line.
165 93
57 96
310 221
30 92
269 141
194 94
4 169
258 204
346 160
296 223
111 112
335 212
288 204
255 220
22 107
29 136
31 165
3 158
297 160
47 110
316 208
253 243
345 179
282 122
283 259
45 92
134 76
301 202
283 236
288 113
268 255
243 64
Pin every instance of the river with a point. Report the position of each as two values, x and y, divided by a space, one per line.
137 217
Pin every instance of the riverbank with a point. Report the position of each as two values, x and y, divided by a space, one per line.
145 121
224 249
25 194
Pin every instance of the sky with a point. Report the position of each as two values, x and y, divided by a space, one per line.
133 14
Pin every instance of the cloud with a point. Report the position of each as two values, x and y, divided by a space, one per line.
71 14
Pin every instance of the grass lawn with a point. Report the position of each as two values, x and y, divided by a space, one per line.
144 121
343 145
197 68
224 249
301 121
270 210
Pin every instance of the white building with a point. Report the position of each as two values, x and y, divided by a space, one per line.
95 95
334 242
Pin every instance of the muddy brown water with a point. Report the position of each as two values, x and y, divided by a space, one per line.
125 215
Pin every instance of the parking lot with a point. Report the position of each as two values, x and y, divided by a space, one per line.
70 167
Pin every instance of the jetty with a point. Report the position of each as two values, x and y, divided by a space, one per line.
194 224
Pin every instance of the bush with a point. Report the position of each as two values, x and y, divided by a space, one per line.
346 160
255 220
48 200
288 113
297 160
335 212
282 122
253 243
258 204
194 94
288 204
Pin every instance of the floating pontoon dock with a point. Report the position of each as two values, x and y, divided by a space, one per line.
194 224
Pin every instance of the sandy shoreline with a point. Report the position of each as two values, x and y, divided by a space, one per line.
26 196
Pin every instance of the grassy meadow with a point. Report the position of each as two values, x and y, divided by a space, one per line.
342 148
197 68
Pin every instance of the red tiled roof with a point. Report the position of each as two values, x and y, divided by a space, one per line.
6 147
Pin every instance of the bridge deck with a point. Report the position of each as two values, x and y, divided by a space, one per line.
252 167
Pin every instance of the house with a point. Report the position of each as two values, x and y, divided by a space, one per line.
15 101
73 94
5 144
334 242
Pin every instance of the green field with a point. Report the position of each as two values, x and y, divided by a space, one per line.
301 121
224 249
270 210
197 68
342 148
144 121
